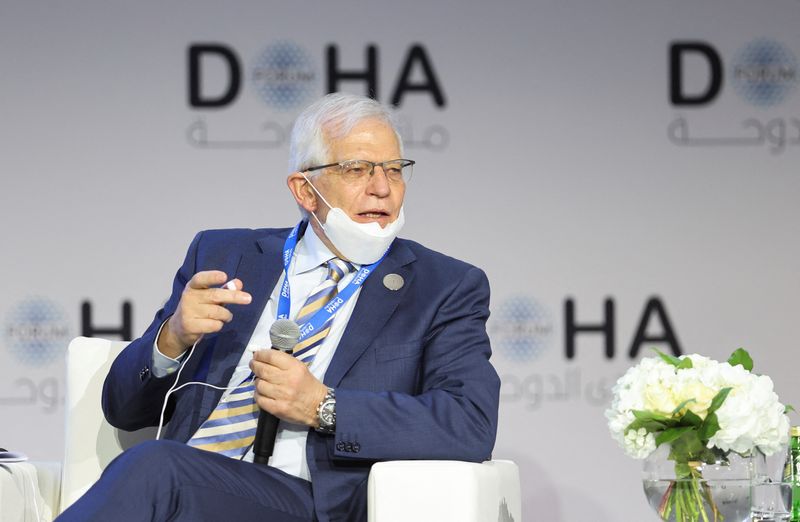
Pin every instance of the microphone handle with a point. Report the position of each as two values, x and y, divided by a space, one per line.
266 431
264 442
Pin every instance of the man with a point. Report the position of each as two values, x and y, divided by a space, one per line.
393 362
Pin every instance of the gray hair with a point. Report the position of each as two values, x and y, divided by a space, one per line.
332 117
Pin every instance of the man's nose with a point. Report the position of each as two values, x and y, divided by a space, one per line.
379 182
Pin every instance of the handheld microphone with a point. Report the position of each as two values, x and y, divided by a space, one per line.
283 334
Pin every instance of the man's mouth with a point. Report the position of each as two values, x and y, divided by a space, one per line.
374 214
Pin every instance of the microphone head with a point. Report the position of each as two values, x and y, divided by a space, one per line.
284 334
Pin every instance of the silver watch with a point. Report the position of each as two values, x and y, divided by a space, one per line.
326 413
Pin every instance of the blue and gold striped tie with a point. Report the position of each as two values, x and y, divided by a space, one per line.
231 427
307 349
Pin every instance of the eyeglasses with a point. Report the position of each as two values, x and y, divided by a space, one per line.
359 171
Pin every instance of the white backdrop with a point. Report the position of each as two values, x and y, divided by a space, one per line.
557 162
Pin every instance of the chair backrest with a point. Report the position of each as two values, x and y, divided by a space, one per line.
90 442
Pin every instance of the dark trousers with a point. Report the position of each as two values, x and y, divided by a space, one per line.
170 481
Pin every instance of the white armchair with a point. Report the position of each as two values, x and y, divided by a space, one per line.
399 491
90 442
444 491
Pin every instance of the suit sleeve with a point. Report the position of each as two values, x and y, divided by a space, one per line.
455 416
132 395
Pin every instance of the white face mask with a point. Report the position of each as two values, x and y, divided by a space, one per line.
361 243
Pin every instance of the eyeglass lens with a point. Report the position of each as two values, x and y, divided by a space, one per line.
396 171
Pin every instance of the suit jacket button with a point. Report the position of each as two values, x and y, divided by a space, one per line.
356 447
348 447
340 446
144 373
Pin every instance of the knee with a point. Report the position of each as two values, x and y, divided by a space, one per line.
139 484
155 452
156 459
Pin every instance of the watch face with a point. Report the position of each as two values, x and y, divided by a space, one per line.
326 414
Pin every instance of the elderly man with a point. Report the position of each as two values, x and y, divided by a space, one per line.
392 362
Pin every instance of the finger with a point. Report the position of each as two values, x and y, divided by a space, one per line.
215 312
221 296
207 279
275 358
266 389
269 405
266 372
204 326
269 392
262 356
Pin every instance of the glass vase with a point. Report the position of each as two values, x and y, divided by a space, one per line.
695 491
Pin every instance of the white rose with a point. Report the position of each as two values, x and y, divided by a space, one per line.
660 394
691 386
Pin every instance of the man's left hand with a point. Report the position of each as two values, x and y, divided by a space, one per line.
285 387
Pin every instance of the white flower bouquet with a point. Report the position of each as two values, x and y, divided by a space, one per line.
701 408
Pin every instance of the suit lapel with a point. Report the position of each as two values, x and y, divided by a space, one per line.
259 270
375 305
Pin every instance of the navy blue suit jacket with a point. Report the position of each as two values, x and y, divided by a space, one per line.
411 372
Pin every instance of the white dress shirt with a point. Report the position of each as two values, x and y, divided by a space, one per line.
306 271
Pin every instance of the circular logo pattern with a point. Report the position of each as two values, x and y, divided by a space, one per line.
521 328
284 76
37 331
764 73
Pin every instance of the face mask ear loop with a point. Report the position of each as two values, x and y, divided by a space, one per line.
318 194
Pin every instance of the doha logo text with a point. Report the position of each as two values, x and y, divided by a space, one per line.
284 76
520 328
764 72
36 331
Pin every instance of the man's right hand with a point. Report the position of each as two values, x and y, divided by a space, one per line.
200 311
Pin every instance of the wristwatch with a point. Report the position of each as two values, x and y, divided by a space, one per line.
326 413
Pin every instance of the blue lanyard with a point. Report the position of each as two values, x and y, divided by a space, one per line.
326 312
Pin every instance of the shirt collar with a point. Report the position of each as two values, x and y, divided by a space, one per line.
311 252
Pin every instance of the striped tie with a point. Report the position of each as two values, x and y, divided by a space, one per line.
231 427
307 349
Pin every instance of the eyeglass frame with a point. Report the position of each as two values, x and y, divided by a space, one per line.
381 164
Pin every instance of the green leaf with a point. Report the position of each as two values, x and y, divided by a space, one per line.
740 356
719 455
709 427
650 415
788 408
718 399
685 363
650 421
671 434
650 425
681 406
682 470
686 447
669 359
691 419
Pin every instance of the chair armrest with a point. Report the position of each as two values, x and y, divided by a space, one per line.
444 490
29 490
48 475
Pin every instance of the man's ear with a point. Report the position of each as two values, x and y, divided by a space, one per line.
302 191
